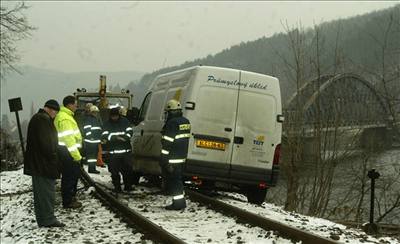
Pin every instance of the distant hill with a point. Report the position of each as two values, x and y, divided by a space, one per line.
37 85
265 55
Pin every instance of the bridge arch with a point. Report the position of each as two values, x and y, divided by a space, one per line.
338 100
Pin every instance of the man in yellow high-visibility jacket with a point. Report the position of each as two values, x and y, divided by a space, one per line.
69 142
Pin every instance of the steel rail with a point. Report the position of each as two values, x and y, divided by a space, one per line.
387 229
139 220
257 220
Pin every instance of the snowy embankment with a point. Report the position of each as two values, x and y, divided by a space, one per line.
93 223
196 224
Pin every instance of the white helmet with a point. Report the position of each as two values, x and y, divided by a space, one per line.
123 111
172 105
94 108
87 106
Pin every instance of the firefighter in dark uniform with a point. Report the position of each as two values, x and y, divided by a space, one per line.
117 135
174 141
92 136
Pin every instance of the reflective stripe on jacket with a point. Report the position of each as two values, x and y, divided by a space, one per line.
175 140
117 135
69 135
91 129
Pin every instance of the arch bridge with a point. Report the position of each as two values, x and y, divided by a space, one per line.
344 101
340 100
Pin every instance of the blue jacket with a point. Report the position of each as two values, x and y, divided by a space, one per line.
175 140
91 129
117 136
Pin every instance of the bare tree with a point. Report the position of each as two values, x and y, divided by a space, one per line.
385 72
9 152
14 27
293 151
388 74
308 55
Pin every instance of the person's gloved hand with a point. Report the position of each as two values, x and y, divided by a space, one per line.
170 168
120 138
78 162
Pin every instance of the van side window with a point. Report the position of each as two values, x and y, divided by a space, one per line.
145 106
156 107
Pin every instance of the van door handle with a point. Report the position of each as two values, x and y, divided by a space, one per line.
228 129
141 132
238 140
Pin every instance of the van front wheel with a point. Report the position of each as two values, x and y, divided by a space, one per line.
256 195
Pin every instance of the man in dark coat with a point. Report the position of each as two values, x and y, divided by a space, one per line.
116 136
175 141
41 163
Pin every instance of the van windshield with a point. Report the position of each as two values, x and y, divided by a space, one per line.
112 101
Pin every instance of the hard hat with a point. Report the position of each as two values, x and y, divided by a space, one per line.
172 105
114 111
123 111
94 108
88 106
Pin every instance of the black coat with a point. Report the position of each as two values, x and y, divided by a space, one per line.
41 147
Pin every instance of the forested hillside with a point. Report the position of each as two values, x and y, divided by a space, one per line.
355 44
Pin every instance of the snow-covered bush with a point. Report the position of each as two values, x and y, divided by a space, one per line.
10 154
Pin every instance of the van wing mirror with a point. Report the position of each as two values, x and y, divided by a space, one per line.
133 115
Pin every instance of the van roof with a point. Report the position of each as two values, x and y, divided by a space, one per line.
206 67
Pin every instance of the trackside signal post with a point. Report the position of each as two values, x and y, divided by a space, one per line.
371 227
15 105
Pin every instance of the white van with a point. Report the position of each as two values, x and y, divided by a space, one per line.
236 119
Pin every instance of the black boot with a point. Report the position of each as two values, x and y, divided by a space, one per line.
55 224
128 188
177 205
94 171
117 189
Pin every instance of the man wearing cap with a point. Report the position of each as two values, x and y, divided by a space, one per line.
117 136
92 135
42 164
69 141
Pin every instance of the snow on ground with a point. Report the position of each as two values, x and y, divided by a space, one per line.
14 182
196 224
322 227
92 223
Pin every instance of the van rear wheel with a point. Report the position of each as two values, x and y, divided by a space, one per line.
256 195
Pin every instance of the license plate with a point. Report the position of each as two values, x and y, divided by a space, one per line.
210 144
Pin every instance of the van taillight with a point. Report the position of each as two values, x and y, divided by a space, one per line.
197 181
262 185
277 154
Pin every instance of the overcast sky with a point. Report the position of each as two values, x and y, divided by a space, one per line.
145 36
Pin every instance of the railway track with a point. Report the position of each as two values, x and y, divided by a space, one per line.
384 229
156 232
132 217
257 220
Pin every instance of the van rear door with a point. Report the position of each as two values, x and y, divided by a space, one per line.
213 123
254 134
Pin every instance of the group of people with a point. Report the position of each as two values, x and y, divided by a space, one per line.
54 148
